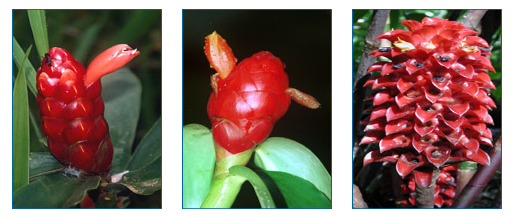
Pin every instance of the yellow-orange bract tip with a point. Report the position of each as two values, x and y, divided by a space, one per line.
219 54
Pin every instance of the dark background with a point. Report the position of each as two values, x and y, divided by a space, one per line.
300 38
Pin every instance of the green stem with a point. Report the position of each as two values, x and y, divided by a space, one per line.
226 186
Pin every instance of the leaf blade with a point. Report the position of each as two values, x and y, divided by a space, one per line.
198 164
298 192
149 149
30 72
121 94
285 155
21 130
37 20
54 191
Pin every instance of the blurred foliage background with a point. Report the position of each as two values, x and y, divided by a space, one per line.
490 29
85 34
300 38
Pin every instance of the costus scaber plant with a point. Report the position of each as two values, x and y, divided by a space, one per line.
429 100
83 151
72 109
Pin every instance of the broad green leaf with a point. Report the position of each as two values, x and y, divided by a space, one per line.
149 149
285 155
121 94
144 181
55 190
18 55
42 163
257 183
299 193
198 164
20 129
37 20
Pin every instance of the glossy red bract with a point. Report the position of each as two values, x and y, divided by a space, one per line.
71 114
246 104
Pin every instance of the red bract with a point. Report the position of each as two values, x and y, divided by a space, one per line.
247 98
444 187
72 110
430 97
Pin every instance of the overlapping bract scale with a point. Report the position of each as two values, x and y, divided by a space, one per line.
72 114
430 97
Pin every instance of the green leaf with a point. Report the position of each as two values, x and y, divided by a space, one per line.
121 94
198 164
260 188
43 163
20 129
299 193
53 191
144 181
37 20
18 55
149 149
285 155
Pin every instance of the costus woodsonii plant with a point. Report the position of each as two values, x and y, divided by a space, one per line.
248 98
71 107
430 99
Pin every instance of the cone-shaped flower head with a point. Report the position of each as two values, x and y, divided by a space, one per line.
71 111
247 98
430 97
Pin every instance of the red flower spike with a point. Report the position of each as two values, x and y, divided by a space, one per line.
437 77
72 109
109 61
247 99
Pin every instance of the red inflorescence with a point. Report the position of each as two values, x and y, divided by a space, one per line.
431 97
248 98
71 114
248 102
71 107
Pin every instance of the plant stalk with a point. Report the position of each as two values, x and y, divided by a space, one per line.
226 186
425 195
480 179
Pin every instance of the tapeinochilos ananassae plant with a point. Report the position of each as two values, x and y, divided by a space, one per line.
430 101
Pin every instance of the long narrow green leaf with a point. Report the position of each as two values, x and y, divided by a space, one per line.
37 20
21 129
18 55
260 188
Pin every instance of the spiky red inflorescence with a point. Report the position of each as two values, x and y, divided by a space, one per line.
431 97
248 98
71 112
